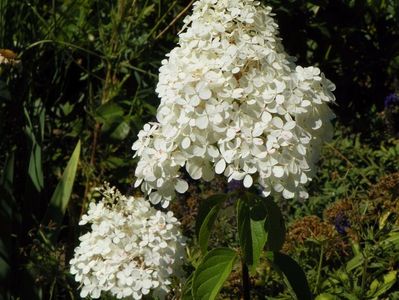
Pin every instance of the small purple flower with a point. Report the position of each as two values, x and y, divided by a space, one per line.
341 223
391 100
234 185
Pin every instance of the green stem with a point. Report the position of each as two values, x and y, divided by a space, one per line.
246 284
316 289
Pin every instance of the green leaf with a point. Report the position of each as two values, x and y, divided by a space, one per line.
294 274
355 262
244 230
8 205
378 288
213 271
382 221
207 213
120 131
4 93
60 199
35 167
251 233
326 296
391 241
4 260
274 226
7 178
259 238
109 112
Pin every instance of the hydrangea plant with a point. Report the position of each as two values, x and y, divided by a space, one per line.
233 102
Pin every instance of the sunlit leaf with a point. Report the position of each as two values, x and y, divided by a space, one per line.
207 213
213 271
252 236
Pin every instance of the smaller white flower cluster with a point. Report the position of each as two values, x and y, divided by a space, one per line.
132 249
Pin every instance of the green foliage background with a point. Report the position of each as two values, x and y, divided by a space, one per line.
88 72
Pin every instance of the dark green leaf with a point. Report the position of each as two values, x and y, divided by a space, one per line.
7 178
108 112
252 235
4 260
60 199
4 93
35 167
274 226
213 271
121 131
207 213
294 274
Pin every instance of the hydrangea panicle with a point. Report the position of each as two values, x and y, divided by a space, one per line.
131 250
234 103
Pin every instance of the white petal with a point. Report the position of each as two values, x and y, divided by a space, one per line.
204 92
194 169
248 181
278 171
289 125
277 122
258 130
186 142
181 186
280 99
266 117
202 122
288 194
213 151
220 166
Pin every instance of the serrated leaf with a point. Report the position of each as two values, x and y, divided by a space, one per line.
294 274
211 274
207 213
60 198
274 226
252 235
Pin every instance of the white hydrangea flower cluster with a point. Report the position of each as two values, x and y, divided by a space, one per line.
132 249
234 103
